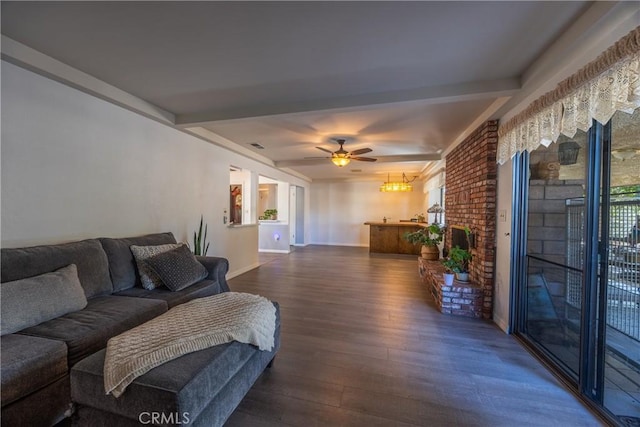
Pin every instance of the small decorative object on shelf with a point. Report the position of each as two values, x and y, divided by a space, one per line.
437 210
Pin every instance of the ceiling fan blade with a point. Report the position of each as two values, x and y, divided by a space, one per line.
364 159
325 150
361 151
313 158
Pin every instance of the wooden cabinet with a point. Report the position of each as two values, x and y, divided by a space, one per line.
387 238
383 239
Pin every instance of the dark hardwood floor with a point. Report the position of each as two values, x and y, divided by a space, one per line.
363 345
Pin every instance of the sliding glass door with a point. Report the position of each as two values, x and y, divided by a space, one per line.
621 270
578 285
555 249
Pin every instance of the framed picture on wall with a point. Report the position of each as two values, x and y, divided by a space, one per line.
235 204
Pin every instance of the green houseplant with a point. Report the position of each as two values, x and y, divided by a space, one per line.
269 214
460 262
200 245
429 237
449 266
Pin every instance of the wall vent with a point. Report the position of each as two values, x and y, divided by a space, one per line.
256 145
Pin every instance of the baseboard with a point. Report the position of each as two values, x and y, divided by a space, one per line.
353 245
275 251
235 273
502 325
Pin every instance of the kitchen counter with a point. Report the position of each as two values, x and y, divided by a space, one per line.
398 224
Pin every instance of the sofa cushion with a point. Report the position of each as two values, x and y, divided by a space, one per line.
88 330
122 265
216 377
27 302
87 255
30 363
203 289
177 268
47 406
148 277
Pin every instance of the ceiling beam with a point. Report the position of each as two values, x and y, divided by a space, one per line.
429 95
39 63
381 159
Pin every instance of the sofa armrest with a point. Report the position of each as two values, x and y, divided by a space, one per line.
217 268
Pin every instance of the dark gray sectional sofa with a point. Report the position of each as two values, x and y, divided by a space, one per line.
37 360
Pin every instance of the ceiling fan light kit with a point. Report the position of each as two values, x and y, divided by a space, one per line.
342 157
340 160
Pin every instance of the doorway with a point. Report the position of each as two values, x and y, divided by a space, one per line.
296 215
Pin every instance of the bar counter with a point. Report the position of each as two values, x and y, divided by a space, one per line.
387 237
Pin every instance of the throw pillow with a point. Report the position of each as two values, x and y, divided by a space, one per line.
148 277
28 302
177 268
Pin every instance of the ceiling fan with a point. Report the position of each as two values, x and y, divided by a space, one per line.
342 157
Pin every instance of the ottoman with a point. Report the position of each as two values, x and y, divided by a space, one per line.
198 389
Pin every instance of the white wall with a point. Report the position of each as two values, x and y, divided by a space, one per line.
74 167
340 209
502 287
274 237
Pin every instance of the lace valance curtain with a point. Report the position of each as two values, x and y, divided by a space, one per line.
610 83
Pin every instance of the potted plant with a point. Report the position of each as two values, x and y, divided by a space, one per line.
460 261
200 244
270 214
448 274
429 237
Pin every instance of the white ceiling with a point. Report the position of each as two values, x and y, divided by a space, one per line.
403 78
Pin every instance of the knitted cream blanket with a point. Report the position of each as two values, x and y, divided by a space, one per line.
188 327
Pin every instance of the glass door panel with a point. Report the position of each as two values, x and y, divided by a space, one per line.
555 250
621 391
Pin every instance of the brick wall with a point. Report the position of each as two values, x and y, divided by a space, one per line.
470 200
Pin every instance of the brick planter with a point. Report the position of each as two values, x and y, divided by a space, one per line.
460 299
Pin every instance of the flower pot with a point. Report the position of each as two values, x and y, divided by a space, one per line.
448 278
431 253
463 277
